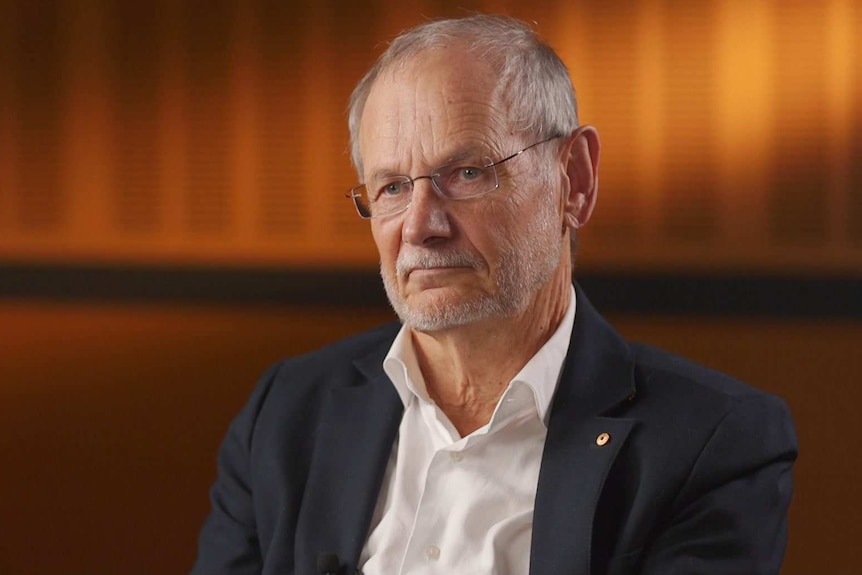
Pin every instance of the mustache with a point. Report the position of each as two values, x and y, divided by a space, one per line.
419 260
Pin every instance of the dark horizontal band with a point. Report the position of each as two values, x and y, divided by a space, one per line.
720 295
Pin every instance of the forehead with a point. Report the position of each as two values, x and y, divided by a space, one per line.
433 108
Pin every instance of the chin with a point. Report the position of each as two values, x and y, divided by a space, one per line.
440 318
428 312
452 306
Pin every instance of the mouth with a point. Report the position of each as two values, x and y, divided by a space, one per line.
434 267
429 277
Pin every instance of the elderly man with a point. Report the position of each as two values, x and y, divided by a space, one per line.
502 426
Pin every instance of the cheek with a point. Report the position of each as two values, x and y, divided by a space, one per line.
520 195
501 221
387 238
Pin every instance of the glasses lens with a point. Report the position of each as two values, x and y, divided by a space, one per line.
382 198
461 181
360 200
455 181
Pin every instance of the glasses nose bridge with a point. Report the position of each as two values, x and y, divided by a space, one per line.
432 178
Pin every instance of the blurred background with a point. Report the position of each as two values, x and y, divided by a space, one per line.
173 220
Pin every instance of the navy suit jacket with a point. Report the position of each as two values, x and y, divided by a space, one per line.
695 478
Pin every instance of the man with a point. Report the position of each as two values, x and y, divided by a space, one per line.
503 427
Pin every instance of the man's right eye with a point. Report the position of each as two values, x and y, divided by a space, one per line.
391 189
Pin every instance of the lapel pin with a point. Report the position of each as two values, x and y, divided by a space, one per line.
602 439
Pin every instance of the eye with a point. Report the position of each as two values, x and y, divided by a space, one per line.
468 173
391 189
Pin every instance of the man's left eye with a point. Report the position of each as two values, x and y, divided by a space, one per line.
469 173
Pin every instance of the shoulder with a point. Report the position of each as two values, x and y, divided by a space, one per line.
682 406
705 468
291 391
672 377
339 355
699 428
335 364
687 405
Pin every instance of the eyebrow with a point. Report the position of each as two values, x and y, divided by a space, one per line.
463 154
385 174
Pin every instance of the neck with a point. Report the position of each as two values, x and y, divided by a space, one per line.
466 369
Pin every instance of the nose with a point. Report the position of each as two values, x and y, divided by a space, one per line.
426 220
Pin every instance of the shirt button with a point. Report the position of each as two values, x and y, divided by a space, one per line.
456 456
432 552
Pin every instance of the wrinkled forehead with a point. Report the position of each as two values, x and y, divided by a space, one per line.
438 105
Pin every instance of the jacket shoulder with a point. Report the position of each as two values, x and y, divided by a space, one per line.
290 391
301 380
341 353
657 370
686 405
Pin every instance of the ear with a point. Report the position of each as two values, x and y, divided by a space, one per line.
582 168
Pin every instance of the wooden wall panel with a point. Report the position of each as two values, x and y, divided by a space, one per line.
40 205
135 79
9 160
209 39
356 29
609 65
689 208
799 197
853 188
280 37
197 132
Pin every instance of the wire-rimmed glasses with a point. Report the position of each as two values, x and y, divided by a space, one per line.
457 181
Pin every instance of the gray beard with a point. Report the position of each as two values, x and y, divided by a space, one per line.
526 264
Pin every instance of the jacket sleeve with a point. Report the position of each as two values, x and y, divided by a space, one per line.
730 517
228 542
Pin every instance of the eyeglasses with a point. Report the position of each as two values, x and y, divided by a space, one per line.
457 181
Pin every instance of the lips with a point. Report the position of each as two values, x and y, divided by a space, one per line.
430 261
436 269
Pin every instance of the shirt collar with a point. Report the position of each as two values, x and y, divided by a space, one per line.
402 367
541 373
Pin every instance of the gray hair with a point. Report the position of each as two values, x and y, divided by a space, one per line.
533 82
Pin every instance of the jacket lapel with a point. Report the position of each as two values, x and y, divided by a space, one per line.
597 376
359 425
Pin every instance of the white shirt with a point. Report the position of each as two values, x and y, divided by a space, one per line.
453 505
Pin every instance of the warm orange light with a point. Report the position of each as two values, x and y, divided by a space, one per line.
719 120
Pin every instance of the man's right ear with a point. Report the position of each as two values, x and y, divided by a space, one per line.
582 167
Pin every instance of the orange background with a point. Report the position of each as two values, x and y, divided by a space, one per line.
213 132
